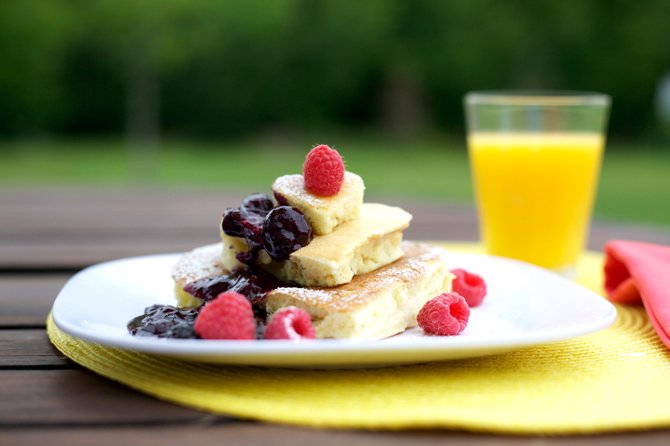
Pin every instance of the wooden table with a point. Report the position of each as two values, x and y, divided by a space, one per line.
46 235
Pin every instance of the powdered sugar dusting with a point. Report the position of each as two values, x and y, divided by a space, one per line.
205 262
198 263
292 187
366 287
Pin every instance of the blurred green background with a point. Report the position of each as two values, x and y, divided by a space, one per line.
232 94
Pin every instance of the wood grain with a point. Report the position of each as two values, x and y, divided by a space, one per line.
43 229
46 235
53 397
29 296
214 432
29 348
73 228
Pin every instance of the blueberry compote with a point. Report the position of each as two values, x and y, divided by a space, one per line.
280 230
164 321
254 285
285 230
259 204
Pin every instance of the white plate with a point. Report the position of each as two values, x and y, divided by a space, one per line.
525 306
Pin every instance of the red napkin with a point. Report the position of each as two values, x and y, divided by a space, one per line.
640 272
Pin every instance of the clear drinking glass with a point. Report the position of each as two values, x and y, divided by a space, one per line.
535 160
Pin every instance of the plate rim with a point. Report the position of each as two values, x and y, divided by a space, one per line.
252 352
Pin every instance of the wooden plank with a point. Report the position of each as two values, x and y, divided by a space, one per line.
29 348
77 252
72 228
57 397
27 298
62 252
99 211
57 229
75 227
236 433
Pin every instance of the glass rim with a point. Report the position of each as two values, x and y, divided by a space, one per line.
537 98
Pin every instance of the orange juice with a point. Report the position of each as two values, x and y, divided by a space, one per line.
535 193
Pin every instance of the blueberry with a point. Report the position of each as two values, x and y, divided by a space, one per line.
182 331
235 223
259 204
208 288
280 199
159 327
231 223
163 321
285 230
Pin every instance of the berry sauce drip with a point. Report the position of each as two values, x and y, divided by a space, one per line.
281 200
259 204
280 230
164 321
285 230
247 222
255 285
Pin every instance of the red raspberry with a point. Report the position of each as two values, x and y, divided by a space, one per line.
229 316
444 315
469 285
323 171
290 323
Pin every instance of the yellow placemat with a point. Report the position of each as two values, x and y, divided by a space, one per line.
616 379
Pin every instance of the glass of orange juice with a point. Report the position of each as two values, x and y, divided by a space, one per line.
535 160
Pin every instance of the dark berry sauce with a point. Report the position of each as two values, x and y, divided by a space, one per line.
247 222
259 204
281 200
285 230
166 321
255 285
280 230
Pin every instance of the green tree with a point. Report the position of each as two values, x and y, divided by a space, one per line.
34 37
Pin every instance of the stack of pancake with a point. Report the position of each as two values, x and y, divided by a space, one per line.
356 278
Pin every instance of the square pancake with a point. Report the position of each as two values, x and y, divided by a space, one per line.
375 305
324 214
355 247
201 262
372 306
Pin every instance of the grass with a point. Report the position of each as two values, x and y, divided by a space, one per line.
634 186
